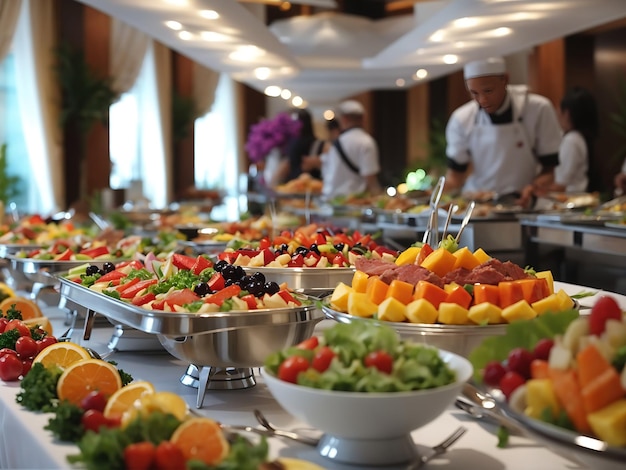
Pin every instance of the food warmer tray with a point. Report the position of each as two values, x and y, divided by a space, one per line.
7 249
38 270
209 247
221 347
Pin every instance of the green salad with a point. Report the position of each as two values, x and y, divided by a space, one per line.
361 357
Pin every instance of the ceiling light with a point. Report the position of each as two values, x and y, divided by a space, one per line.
185 35
400 82
450 59
175 25
262 73
465 22
421 74
459 44
212 36
298 102
273 91
179 3
247 53
437 36
499 32
209 14
329 114
285 94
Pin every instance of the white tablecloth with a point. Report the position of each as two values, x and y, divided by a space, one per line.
25 444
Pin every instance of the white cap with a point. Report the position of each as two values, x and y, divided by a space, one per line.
351 107
483 68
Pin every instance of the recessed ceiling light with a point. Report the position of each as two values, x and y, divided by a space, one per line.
437 36
421 74
175 25
273 91
209 14
212 36
499 32
400 82
329 114
246 53
179 3
465 22
285 94
297 101
185 35
262 73
450 59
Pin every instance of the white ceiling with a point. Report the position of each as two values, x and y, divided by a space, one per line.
328 56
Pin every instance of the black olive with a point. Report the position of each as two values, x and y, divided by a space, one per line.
108 267
256 288
220 265
91 270
239 272
202 289
339 246
301 250
271 287
314 248
229 272
258 277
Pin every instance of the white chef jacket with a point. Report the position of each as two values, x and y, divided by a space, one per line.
504 157
362 151
573 163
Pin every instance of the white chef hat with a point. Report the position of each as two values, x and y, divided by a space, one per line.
351 107
483 68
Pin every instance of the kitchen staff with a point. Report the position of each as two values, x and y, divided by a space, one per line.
505 139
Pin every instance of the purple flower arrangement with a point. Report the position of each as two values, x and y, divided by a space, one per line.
269 134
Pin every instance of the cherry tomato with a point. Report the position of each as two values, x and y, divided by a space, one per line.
44 342
519 360
605 308
10 367
93 420
19 326
26 347
140 455
381 360
494 371
510 382
169 457
5 351
322 358
26 365
291 367
310 343
3 324
542 349
94 400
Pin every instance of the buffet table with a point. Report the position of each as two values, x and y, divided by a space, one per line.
25 444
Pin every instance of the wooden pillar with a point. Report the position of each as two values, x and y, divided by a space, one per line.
418 125
183 158
388 116
547 70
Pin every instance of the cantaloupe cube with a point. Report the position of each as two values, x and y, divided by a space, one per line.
421 311
453 314
565 300
465 259
359 281
539 397
485 313
400 290
360 305
549 304
481 255
408 256
518 311
339 297
609 423
547 275
440 261
391 309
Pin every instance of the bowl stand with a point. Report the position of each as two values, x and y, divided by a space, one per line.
217 378
370 452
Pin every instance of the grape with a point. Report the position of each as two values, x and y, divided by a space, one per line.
256 288
509 382
494 371
519 360
258 277
271 287
542 349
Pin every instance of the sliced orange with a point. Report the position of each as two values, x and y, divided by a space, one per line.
83 377
62 355
27 307
125 398
6 291
201 439
41 322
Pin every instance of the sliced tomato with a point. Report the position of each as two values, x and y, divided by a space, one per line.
287 297
127 285
296 261
134 264
183 261
201 264
310 343
65 256
340 260
95 252
250 299
143 299
220 296
112 275
137 288
217 282
264 243
158 304
181 297
228 256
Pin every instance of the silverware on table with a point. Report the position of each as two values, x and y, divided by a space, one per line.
263 421
439 449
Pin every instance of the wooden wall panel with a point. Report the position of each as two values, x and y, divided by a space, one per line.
183 157
418 125
547 70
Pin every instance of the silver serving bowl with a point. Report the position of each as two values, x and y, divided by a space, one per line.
459 339
318 282
40 270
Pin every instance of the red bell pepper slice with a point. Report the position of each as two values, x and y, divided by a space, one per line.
136 288
183 261
250 299
201 264
424 252
222 295
95 251
112 275
181 297
287 297
143 299
65 256
228 256
216 282
127 285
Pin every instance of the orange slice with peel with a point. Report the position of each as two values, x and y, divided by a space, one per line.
124 399
28 308
201 439
41 322
83 377
62 355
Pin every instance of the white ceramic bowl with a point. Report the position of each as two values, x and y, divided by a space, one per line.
369 428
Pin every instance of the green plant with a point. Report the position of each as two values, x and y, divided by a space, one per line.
8 183
183 114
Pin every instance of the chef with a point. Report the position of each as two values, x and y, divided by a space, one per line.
505 140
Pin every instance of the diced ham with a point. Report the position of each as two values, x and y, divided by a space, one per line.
372 267
411 273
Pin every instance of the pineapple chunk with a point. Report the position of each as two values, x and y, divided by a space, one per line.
609 423
547 275
481 256
566 300
339 297
421 311
518 311
392 309
539 396
360 305
485 313
274 301
552 303
453 314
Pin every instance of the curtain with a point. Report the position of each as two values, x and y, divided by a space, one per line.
204 85
128 49
39 101
155 96
9 13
